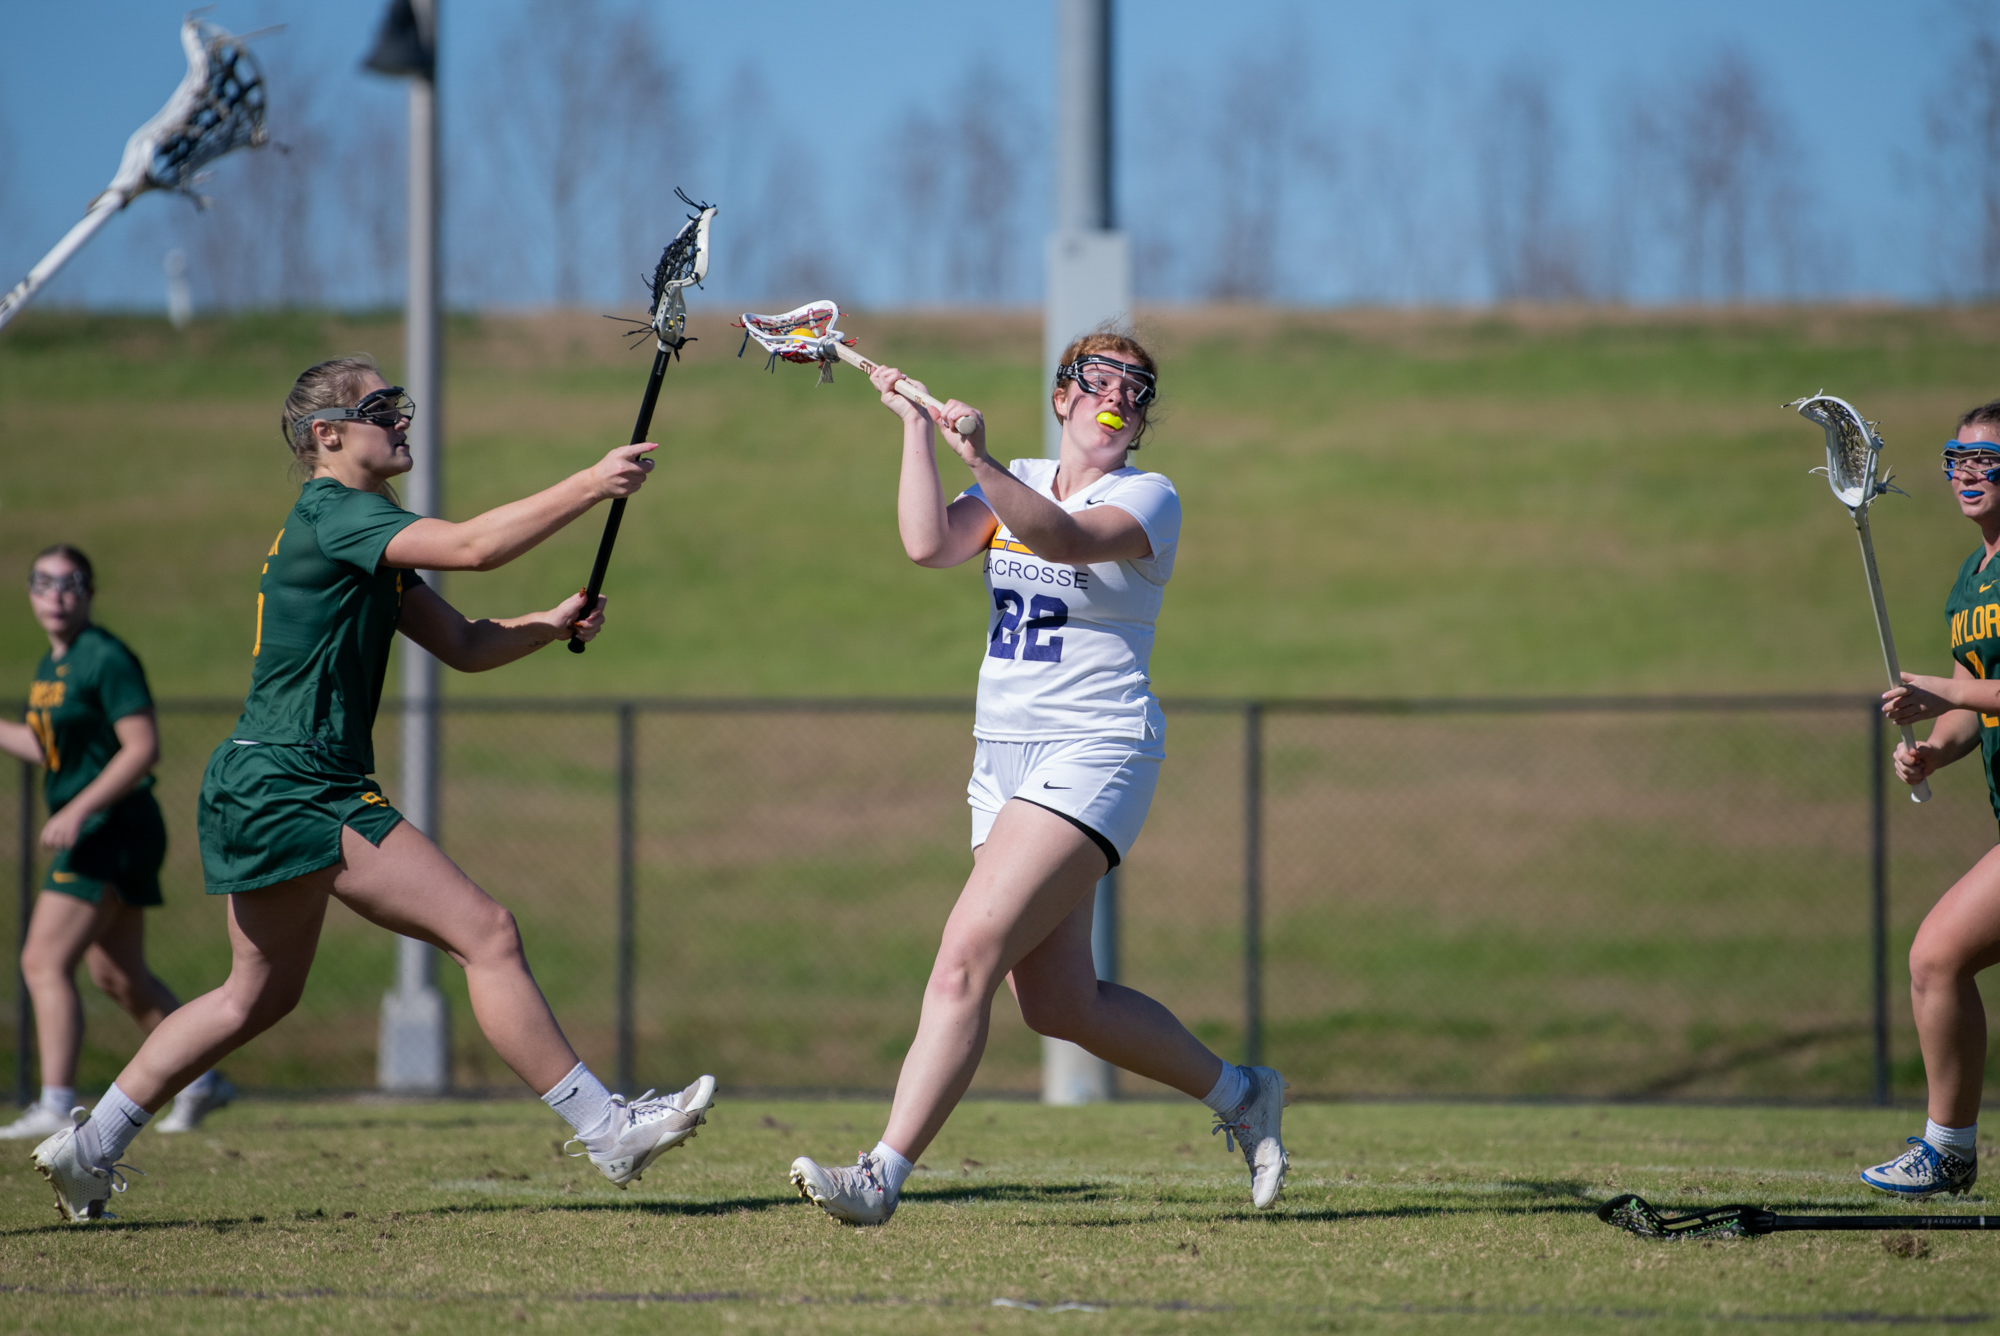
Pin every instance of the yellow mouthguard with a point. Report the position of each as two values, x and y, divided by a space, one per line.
1111 420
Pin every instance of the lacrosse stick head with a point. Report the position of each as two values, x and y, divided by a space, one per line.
1636 1215
219 107
807 334
683 264
1853 449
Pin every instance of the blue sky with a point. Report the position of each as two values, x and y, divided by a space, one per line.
1852 78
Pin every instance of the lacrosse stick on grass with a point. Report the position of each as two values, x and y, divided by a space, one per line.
218 107
809 334
1853 458
1640 1217
683 263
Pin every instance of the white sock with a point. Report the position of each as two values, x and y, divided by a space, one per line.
1231 1089
1960 1141
113 1124
585 1105
894 1167
59 1099
201 1084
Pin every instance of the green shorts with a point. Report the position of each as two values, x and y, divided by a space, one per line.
270 812
121 847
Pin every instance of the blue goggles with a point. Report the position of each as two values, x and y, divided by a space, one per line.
1979 457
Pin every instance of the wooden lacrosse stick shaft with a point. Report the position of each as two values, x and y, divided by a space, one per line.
661 357
965 426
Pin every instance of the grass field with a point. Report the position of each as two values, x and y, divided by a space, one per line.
1376 503
284 1217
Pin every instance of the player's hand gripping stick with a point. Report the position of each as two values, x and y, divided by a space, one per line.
810 335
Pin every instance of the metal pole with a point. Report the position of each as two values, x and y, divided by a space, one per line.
415 1053
1089 276
24 1009
1878 928
1253 883
627 745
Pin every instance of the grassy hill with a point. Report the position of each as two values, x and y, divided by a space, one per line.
1534 501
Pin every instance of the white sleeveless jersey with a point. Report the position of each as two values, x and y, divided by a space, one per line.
1068 647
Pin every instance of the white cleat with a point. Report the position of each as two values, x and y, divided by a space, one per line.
652 1128
857 1195
1254 1129
196 1103
81 1190
37 1121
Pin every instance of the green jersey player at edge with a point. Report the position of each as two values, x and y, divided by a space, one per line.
90 726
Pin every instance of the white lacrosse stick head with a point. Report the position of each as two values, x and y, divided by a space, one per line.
1852 449
807 333
683 264
218 107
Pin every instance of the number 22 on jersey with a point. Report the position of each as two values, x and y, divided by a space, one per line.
1031 640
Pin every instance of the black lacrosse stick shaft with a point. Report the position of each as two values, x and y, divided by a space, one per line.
661 357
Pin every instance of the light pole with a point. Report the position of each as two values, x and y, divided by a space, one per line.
415 1049
1089 280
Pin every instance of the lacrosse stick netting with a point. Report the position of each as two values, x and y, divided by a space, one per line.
218 107
683 264
811 334
1853 461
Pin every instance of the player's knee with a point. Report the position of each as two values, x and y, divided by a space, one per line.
1936 964
41 965
489 934
113 981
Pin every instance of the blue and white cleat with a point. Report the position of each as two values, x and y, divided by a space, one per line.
1923 1171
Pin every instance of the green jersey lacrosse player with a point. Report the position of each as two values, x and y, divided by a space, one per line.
1961 935
290 818
90 727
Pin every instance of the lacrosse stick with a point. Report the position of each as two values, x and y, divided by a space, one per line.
683 263
1853 454
218 107
1640 1217
808 334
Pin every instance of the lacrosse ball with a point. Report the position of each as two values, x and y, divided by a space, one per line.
1111 420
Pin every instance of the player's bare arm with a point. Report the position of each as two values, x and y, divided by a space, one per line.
138 752
475 645
934 534
20 742
505 532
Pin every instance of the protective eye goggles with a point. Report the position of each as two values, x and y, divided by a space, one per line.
385 408
41 582
1098 374
1981 458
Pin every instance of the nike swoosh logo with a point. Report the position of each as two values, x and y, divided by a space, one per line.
1047 785
1983 588
1096 501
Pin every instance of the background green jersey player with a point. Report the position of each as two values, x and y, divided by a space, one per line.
90 726
1961 935
289 816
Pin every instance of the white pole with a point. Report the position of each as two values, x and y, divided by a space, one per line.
1089 281
415 1051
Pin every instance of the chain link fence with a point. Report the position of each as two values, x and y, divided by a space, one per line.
1602 898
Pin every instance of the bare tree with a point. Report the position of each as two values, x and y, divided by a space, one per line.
1255 149
961 194
1533 252
1963 120
1717 156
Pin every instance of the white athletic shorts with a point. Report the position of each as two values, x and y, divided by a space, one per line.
1103 786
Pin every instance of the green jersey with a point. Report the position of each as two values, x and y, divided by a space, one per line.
1974 609
72 705
326 614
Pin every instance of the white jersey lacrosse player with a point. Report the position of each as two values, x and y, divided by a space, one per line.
1077 552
